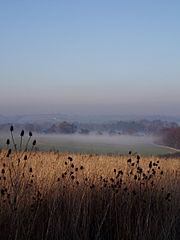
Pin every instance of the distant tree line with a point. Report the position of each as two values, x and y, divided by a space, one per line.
170 137
116 127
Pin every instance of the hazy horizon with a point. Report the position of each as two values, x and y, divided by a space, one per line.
95 57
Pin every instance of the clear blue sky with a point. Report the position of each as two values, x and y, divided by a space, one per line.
94 56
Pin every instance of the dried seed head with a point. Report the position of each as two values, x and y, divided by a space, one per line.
70 159
30 134
34 143
30 170
8 142
11 128
130 152
81 167
168 196
9 152
25 157
22 133
138 157
92 186
3 171
72 165
150 164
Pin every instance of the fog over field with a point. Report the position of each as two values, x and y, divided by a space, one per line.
105 138
101 144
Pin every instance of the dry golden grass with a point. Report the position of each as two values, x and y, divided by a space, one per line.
60 196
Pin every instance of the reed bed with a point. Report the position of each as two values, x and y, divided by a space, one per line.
53 195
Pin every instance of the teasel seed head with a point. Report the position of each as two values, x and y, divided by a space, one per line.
70 159
9 152
22 133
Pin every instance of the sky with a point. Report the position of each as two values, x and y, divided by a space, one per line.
90 57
